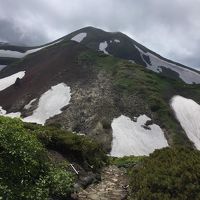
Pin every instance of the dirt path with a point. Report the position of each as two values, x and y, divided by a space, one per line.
112 186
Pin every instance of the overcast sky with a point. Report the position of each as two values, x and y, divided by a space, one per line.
168 27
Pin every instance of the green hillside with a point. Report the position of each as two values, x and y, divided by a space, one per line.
154 91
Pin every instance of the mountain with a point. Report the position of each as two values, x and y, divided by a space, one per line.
96 104
120 45
116 44
86 83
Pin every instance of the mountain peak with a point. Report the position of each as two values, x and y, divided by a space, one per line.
116 44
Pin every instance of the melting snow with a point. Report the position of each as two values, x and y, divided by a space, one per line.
12 115
103 46
2 66
117 41
2 111
10 80
187 75
132 61
29 104
187 112
131 138
11 54
50 103
17 54
79 37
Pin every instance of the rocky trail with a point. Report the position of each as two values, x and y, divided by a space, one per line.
113 186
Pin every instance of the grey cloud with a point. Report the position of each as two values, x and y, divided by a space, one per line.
13 34
171 28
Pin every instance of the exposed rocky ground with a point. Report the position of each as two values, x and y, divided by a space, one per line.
93 107
113 186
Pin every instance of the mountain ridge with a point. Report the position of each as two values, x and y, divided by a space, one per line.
139 44
132 53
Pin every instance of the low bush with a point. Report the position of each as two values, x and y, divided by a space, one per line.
167 174
78 148
26 172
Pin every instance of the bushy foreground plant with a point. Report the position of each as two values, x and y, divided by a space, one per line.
25 170
167 174
81 149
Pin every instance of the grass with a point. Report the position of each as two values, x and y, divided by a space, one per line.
26 172
126 161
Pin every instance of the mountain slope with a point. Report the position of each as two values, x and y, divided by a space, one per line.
120 45
102 89
116 44
10 53
79 90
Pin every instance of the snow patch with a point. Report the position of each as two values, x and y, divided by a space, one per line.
12 115
117 41
131 138
187 112
2 111
103 46
132 61
10 80
187 75
28 106
11 54
17 54
50 104
79 37
2 66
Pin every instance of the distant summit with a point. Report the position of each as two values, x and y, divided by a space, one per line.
116 44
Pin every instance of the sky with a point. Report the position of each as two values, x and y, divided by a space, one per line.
169 27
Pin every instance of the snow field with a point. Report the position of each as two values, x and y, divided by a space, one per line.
10 80
131 138
79 37
187 112
103 46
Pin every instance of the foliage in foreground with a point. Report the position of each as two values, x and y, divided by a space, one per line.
80 149
26 172
167 174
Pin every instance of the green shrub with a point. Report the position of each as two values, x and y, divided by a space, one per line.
60 182
26 173
74 147
85 58
170 173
